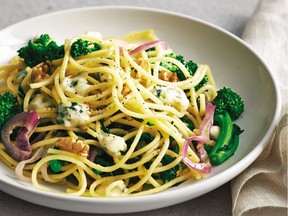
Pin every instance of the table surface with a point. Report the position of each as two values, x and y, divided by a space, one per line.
228 14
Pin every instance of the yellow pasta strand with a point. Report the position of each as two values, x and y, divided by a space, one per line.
103 121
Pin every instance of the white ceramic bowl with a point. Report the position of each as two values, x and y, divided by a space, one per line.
233 64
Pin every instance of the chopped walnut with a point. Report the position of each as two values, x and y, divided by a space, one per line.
168 76
41 71
135 74
74 146
126 90
144 64
173 77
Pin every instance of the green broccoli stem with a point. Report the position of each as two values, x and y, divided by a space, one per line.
223 155
226 130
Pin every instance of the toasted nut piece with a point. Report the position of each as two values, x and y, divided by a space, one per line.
135 74
126 90
168 76
74 146
40 72
144 64
173 77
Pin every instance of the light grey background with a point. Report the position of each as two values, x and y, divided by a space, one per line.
231 15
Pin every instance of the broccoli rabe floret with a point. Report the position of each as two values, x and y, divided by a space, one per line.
9 107
192 68
190 65
228 108
44 48
170 66
39 50
230 101
174 68
82 47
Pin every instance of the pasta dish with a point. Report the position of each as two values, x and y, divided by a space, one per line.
129 117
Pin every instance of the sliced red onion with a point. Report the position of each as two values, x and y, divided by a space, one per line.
204 131
92 153
20 166
204 136
208 120
200 167
20 149
149 45
32 120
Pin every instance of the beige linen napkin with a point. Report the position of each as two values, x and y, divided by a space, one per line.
262 188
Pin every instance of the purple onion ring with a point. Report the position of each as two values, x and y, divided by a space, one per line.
20 148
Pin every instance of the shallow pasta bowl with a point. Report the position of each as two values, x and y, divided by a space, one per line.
233 63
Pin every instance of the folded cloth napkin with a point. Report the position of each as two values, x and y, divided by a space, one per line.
262 188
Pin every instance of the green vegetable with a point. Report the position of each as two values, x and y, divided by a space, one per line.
171 173
103 127
106 161
21 74
40 50
144 140
226 151
82 47
9 107
56 165
191 66
188 122
227 142
228 108
226 127
174 68
44 48
230 101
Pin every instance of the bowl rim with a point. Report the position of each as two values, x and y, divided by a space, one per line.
242 164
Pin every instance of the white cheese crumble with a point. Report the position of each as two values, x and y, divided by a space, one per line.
112 144
214 132
40 102
105 77
76 85
112 189
76 114
116 189
173 96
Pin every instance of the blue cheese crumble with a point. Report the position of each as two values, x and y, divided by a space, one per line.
74 115
172 96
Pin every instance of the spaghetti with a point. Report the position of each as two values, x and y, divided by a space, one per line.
114 120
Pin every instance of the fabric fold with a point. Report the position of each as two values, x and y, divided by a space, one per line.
262 188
